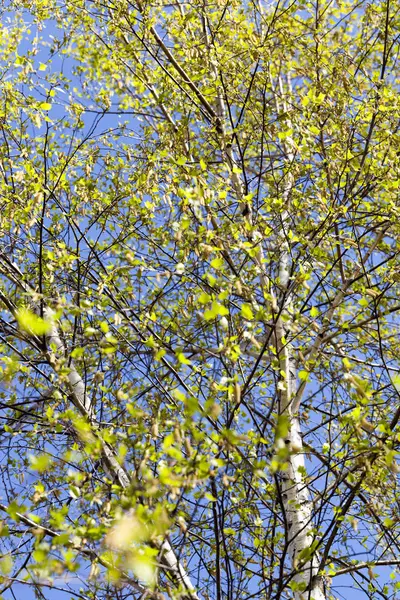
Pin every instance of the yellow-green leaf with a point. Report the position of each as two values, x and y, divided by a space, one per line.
217 263
304 375
31 323
246 311
215 310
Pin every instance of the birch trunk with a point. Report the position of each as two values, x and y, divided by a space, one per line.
294 490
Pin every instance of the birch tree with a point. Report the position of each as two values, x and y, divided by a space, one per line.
199 283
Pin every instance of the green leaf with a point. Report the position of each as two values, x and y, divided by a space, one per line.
31 323
216 309
210 497
144 565
40 463
396 382
204 298
346 363
282 427
6 564
60 540
217 263
13 508
77 352
182 359
247 312
304 375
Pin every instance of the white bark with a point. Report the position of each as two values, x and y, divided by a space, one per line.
77 387
295 494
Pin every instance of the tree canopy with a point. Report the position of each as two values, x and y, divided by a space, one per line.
199 297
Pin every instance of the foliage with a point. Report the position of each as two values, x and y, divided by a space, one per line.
199 297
